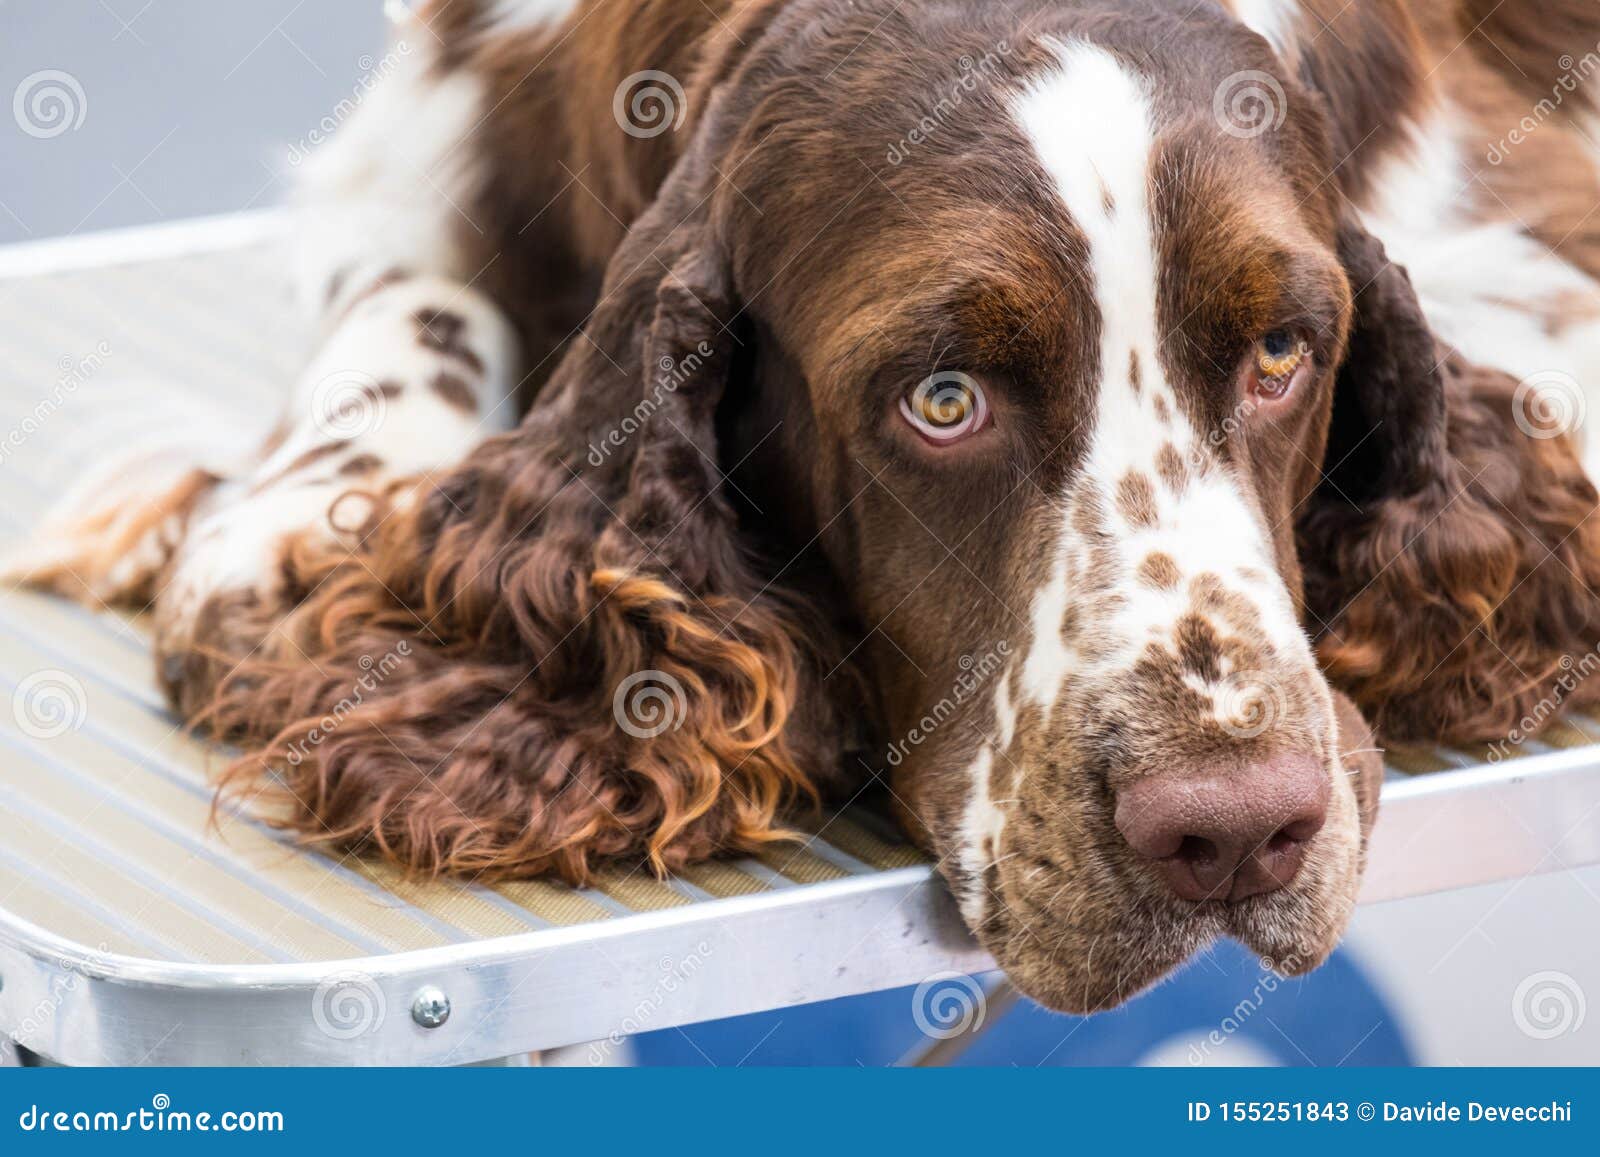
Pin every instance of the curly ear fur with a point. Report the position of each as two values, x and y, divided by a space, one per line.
1449 558
564 653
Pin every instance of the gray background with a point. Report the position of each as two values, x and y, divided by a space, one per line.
189 107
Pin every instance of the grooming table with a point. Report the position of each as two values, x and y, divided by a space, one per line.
133 933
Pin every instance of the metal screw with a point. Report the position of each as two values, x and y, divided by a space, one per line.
431 1007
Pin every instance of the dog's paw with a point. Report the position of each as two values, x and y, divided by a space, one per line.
110 539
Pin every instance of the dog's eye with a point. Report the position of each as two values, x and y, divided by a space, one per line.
946 407
1277 361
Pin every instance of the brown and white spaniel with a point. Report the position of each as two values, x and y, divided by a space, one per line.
722 404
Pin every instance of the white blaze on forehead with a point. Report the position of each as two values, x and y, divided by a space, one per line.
1091 124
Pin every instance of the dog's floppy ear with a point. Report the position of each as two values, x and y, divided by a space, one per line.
596 667
1450 568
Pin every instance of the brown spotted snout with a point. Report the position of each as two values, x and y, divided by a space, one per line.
1226 834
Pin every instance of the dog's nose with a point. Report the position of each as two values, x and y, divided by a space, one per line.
1226 836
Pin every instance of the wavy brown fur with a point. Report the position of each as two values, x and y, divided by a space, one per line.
499 755
1449 562
507 608
1452 611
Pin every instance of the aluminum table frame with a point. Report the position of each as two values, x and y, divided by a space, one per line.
569 986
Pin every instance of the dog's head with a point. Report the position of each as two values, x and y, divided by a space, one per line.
997 380
1032 326
1041 353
